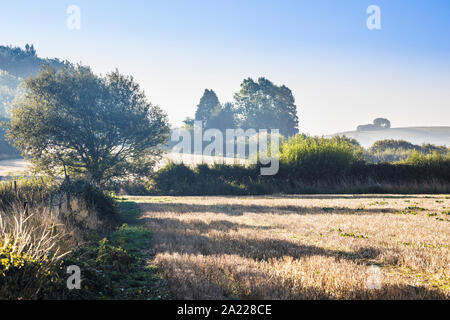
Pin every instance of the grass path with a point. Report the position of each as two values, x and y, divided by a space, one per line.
301 247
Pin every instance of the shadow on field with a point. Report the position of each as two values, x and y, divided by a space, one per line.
239 210
175 236
201 275
203 227
259 285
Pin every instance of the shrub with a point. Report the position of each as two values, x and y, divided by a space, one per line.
174 178
30 254
434 159
390 150
312 158
25 277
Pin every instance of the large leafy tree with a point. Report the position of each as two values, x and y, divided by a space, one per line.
207 106
263 105
101 127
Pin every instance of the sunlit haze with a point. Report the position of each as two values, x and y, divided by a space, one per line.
341 73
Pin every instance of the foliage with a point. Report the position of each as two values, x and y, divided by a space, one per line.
30 252
174 176
390 150
433 160
264 105
312 158
179 179
206 107
258 105
307 165
99 127
383 145
25 277
222 117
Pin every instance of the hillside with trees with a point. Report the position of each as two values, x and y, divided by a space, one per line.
17 64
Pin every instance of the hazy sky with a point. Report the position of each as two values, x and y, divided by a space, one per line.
341 73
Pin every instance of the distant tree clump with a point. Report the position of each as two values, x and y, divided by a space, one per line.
100 127
382 123
378 124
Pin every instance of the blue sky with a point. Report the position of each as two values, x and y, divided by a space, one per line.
341 73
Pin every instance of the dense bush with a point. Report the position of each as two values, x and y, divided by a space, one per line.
25 277
179 179
310 158
309 165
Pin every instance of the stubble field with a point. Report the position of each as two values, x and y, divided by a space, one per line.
301 247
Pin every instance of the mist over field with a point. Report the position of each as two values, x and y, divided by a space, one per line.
415 135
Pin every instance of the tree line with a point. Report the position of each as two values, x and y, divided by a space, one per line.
259 104
24 62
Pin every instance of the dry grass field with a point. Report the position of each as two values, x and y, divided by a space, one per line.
301 247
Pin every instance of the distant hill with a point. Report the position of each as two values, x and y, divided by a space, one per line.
415 135
17 64
22 63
